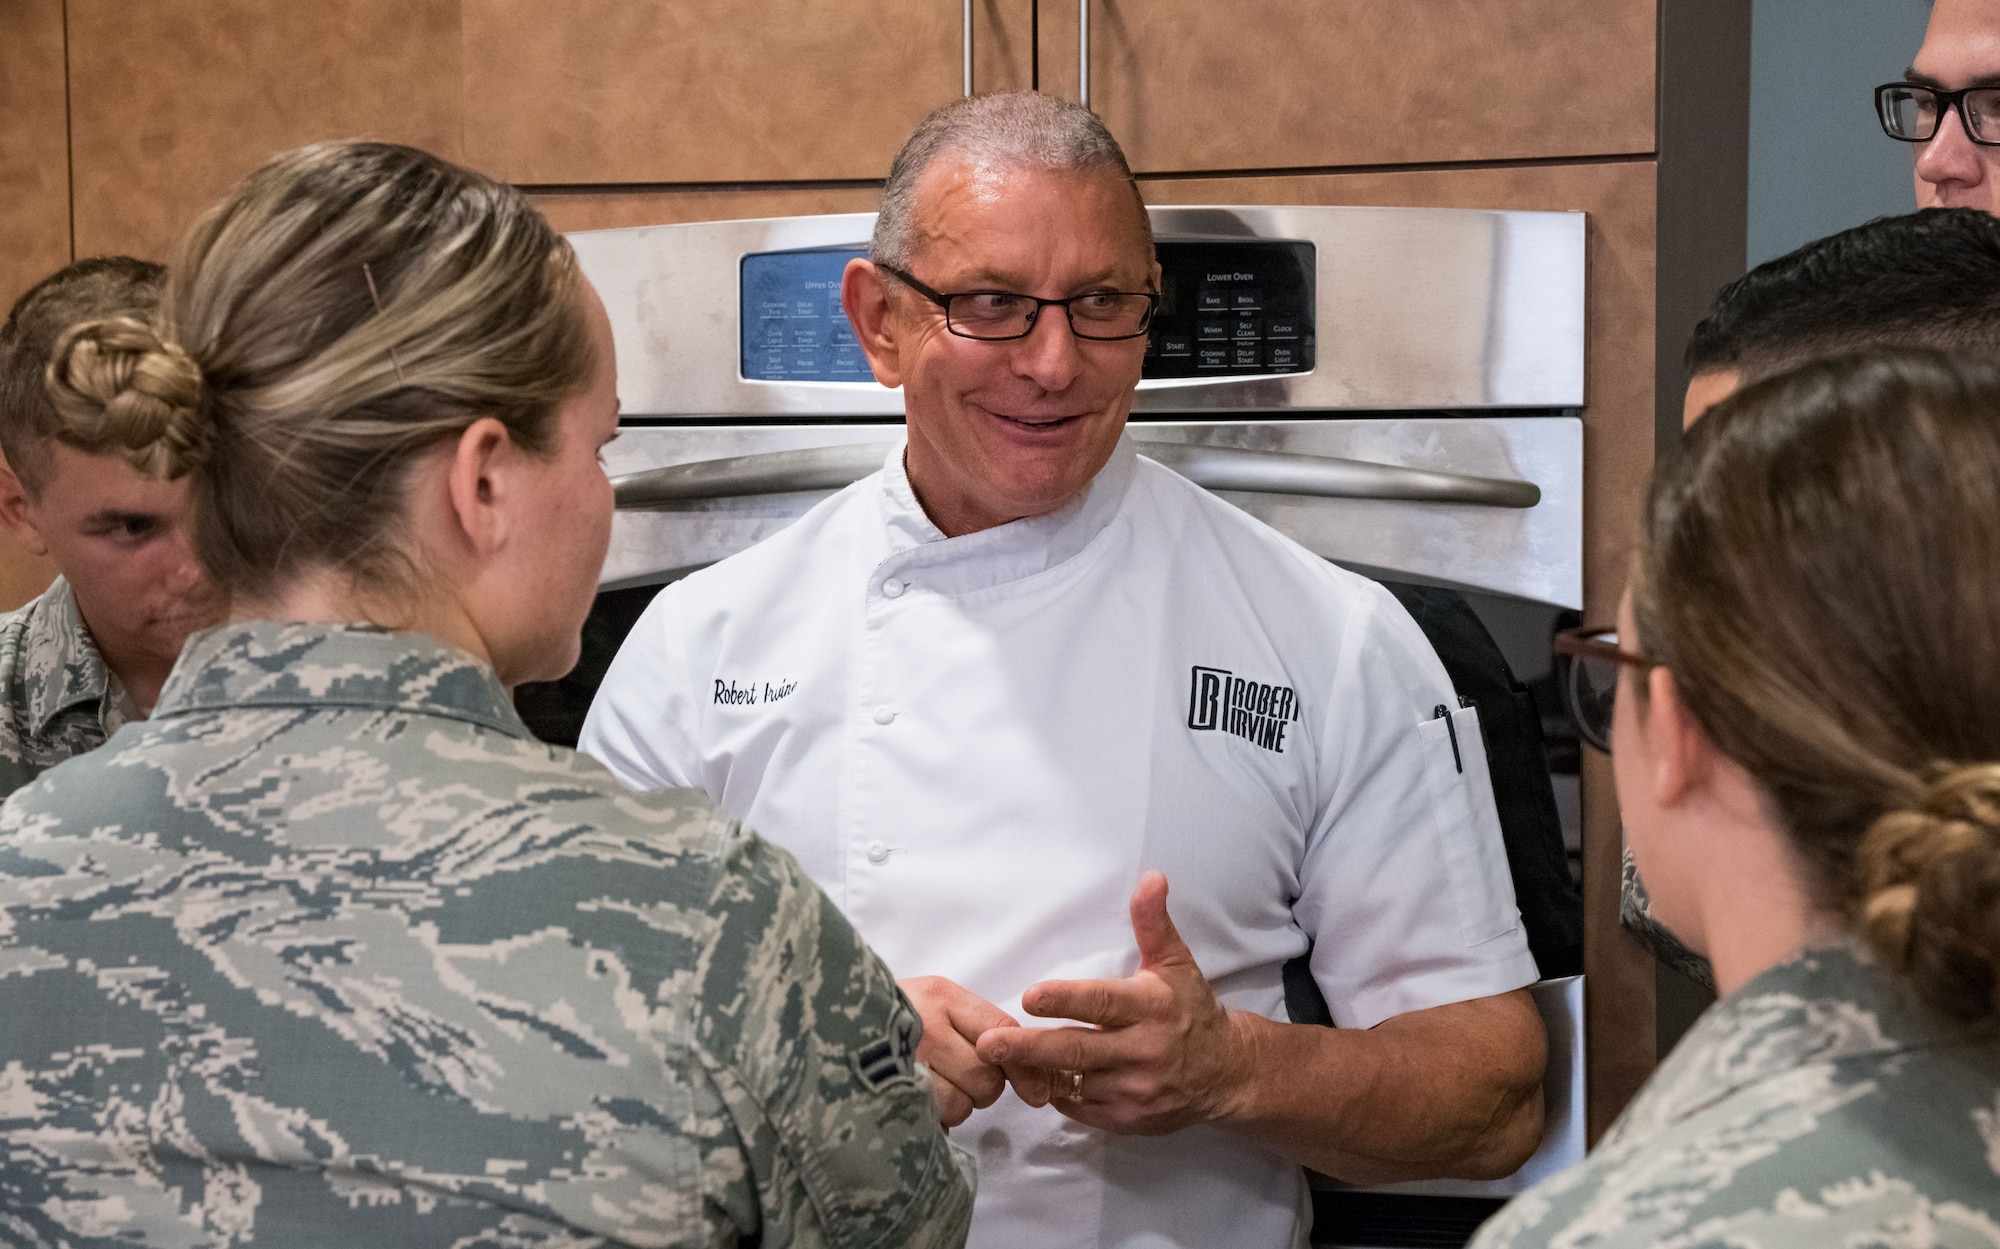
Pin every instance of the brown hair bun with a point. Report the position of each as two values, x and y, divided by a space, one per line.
121 388
1930 899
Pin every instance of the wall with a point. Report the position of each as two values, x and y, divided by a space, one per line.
1819 162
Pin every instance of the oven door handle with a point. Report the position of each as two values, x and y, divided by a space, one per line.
1329 477
1213 468
738 476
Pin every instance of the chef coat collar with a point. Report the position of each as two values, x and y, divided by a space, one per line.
1004 553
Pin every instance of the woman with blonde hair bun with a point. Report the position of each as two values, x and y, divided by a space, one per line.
1806 733
332 952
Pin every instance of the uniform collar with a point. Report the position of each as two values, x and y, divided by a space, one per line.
1005 553
1828 1004
261 663
66 670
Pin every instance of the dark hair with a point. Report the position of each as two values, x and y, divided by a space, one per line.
1924 279
86 290
343 309
1817 570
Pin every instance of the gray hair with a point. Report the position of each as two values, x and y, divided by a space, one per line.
1006 128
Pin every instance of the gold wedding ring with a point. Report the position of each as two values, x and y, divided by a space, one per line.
1072 1091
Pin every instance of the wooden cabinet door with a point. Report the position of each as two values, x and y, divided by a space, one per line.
1191 85
173 100
677 91
34 146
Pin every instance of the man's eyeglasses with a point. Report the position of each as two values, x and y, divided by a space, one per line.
995 316
1912 112
1591 682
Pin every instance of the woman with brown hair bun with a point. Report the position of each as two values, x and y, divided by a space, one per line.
331 952
1807 747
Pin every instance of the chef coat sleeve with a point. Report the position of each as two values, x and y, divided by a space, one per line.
642 723
1404 887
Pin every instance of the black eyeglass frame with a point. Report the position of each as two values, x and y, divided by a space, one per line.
1953 101
1588 643
943 300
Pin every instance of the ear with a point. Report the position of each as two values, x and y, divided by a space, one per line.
17 512
1686 759
864 294
479 479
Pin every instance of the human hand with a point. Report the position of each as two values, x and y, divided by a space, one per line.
961 1081
1163 1053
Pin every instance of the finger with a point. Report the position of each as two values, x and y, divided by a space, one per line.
1106 1003
973 1016
945 1006
959 1065
953 1106
1033 1085
1160 943
1053 1049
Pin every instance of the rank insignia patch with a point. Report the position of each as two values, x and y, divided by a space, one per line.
892 1059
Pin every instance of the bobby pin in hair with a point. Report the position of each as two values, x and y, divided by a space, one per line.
376 295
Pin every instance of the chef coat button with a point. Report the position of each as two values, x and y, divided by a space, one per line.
877 852
884 715
894 587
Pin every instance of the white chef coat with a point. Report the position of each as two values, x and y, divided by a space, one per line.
977 744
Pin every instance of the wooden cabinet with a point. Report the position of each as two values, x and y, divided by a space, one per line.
34 199
675 91
34 146
1191 85
173 100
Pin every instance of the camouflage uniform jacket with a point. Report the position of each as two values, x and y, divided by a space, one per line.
57 699
1819 1104
331 952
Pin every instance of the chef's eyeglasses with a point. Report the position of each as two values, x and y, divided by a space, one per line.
1912 112
1591 682
996 316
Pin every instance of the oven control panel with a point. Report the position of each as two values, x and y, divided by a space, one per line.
793 327
1228 308
1234 308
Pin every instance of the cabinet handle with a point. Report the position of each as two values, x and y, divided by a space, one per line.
1083 52
1214 468
965 15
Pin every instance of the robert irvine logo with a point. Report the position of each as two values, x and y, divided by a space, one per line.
1252 710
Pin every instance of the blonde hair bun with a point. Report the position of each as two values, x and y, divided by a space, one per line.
122 389
1930 901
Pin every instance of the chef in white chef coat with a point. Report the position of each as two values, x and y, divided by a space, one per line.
1001 696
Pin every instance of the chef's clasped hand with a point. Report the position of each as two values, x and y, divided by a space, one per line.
1159 1053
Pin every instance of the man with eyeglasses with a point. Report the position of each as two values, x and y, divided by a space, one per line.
1949 102
985 693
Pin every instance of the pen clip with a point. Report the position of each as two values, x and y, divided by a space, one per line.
1444 713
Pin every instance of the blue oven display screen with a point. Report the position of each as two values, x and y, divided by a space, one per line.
793 326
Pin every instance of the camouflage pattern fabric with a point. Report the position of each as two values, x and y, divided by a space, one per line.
1635 915
1818 1105
57 699
331 952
